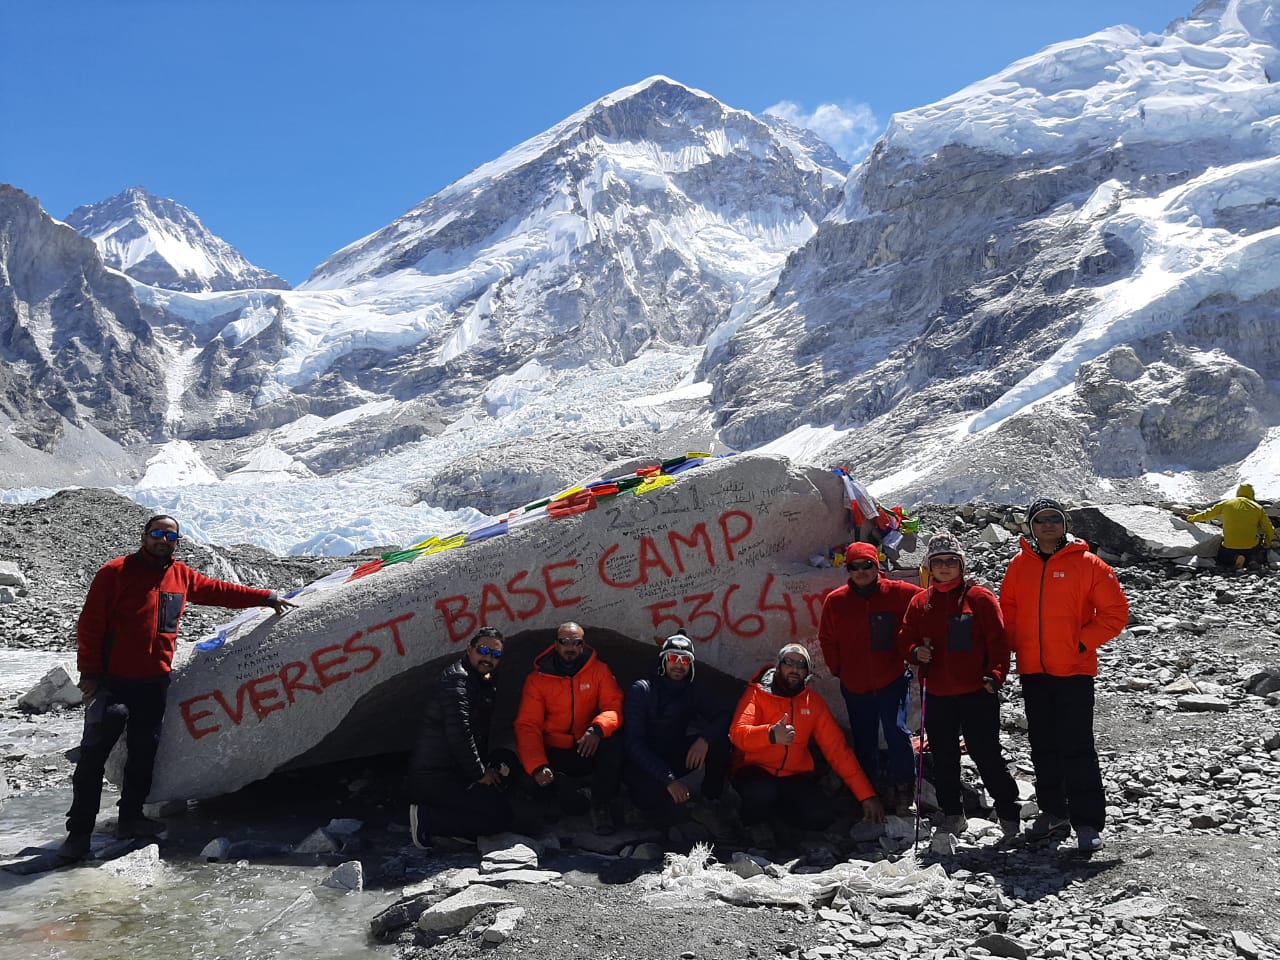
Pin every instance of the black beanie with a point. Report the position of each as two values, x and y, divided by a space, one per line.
1045 503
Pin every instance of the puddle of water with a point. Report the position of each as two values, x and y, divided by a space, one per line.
245 910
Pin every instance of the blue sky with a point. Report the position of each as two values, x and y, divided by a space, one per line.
294 127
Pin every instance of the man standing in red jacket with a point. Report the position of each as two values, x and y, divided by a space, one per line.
1061 603
856 631
126 637
570 708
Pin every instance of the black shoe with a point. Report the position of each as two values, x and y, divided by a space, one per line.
138 827
602 821
573 803
75 847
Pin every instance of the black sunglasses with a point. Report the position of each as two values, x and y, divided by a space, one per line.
793 662
862 564
569 641
170 535
484 651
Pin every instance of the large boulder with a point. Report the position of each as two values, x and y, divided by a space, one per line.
1140 531
724 551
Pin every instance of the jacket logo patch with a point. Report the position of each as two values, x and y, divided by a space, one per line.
805 711
584 686
1059 574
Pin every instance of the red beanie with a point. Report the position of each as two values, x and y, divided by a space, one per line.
861 551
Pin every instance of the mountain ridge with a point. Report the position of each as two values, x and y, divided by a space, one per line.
1095 320
158 241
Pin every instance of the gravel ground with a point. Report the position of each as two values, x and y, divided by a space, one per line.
1191 760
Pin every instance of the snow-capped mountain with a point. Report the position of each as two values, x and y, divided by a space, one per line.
1062 277
160 242
645 221
81 372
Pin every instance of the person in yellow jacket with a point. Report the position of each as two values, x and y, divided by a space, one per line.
1247 532
1060 604
772 769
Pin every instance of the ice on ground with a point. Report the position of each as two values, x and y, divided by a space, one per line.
369 506
177 463
804 444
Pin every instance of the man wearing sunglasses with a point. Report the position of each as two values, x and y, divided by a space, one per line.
570 708
674 727
856 632
126 637
455 783
1061 603
772 768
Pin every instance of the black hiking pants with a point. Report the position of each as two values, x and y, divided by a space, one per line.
976 717
136 709
797 800
649 793
1060 727
450 806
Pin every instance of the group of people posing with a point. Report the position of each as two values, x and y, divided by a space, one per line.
1057 605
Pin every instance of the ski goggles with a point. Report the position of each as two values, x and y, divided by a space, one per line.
675 658
170 535
494 652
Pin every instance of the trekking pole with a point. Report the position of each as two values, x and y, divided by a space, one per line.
924 699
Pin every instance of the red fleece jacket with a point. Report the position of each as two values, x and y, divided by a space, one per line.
129 625
964 630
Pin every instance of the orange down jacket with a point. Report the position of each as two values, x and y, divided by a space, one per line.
555 710
1059 610
760 708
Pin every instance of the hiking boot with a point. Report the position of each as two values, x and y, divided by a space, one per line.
416 831
1047 825
75 847
572 801
1011 827
954 824
1088 839
905 797
602 821
761 835
138 827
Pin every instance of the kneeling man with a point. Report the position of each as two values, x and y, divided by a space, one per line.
775 722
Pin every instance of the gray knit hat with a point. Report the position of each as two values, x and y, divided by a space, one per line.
800 651
941 544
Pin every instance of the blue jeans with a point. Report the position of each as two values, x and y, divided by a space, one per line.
869 713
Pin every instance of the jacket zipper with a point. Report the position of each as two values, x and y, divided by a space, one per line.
573 703
786 749
1044 570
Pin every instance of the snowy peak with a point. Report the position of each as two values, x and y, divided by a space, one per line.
158 241
656 149
1206 72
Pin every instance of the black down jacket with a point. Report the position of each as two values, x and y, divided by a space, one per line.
454 740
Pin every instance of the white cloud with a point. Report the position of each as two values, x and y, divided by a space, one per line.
850 128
